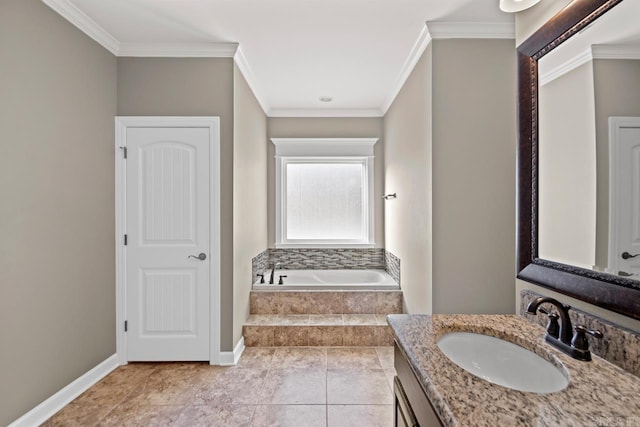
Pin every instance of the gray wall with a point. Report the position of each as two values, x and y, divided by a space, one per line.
57 268
450 146
344 127
567 171
249 193
408 171
474 115
617 93
526 23
191 87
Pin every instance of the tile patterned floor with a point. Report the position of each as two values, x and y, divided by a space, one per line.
284 386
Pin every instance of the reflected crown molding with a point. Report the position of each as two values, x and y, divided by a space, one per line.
595 52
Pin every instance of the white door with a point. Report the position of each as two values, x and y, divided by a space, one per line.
625 197
167 252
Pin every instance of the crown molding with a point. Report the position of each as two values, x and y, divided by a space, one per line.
472 30
75 16
245 69
595 52
178 50
609 51
564 68
409 64
324 112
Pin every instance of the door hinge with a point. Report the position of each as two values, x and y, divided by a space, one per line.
125 240
124 152
126 325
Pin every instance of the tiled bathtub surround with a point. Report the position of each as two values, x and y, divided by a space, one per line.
619 346
259 263
320 318
327 259
392 265
325 302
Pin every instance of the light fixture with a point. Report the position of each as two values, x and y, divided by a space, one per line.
512 6
325 99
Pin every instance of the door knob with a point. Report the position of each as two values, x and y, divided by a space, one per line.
201 257
627 255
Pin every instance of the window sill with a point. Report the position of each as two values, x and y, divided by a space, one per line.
324 245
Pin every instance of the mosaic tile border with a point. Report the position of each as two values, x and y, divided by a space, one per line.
620 345
259 263
327 259
392 265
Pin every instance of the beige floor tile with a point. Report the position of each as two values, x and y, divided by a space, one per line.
360 319
385 354
210 416
293 319
291 386
352 358
106 392
261 319
75 415
326 335
165 388
390 377
359 302
351 387
132 374
239 386
291 336
360 335
290 416
303 357
325 320
295 387
128 414
381 319
389 302
360 415
258 336
256 357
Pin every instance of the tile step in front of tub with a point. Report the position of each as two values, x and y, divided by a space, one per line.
325 302
272 330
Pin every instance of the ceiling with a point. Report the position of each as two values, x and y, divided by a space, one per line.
357 52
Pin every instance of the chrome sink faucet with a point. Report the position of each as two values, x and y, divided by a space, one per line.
575 345
273 270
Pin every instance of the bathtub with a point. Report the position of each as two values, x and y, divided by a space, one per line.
328 279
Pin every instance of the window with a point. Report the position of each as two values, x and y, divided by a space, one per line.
324 192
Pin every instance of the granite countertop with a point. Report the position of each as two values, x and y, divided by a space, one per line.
598 393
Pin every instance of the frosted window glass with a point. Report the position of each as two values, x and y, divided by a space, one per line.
325 201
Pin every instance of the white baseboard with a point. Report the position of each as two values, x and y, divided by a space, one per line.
49 407
228 358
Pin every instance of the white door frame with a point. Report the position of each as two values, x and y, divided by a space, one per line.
615 124
213 123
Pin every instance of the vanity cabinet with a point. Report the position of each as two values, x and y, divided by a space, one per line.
412 407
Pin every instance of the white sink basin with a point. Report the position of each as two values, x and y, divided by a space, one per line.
502 362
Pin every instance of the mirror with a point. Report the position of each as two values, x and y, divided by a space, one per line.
586 214
578 75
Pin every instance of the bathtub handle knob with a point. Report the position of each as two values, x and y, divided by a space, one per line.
281 282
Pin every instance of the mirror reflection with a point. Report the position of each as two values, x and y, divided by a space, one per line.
589 147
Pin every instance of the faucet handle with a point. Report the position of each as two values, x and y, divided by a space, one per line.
281 282
579 341
261 276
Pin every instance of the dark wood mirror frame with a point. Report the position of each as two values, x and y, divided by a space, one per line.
604 290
